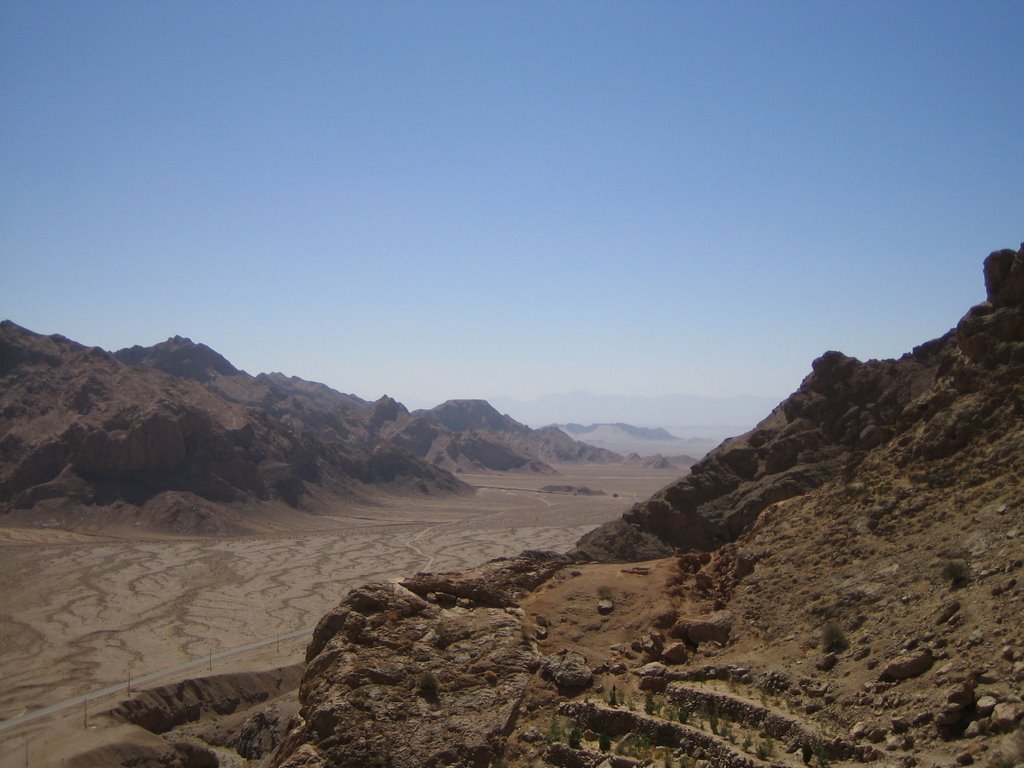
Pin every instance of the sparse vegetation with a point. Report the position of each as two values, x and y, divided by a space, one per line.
833 638
427 683
604 592
713 720
956 572
613 699
556 730
575 736
651 705
766 748
604 742
634 745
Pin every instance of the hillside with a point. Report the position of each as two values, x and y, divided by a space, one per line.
842 584
90 442
457 435
470 435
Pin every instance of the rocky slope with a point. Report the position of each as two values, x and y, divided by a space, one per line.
87 440
470 435
846 584
458 435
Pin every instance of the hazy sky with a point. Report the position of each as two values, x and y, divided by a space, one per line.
474 199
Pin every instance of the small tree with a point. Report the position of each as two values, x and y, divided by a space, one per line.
604 742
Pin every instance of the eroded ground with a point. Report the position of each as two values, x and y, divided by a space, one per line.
78 613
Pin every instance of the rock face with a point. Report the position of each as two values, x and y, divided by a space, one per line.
386 658
932 401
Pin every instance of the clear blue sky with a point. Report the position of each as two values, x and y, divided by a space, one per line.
462 199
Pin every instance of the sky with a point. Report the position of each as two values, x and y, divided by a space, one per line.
509 199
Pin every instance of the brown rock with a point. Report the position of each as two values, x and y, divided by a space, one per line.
908 665
1005 716
716 628
676 653
567 670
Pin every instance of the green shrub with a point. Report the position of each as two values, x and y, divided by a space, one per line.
604 742
765 749
575 737
713 720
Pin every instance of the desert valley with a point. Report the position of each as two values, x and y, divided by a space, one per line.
297 578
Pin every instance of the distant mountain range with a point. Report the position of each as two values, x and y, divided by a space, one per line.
643 441
165 436
685 415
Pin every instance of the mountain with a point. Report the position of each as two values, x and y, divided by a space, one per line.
645 441
471 435
88 440
842 584
702 415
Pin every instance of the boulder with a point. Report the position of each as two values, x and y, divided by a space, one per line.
567 670
676 653
1005 716
908 665
715 628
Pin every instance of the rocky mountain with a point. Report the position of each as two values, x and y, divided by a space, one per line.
843 584
88 440
457 435
470 435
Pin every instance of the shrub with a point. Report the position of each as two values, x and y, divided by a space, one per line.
604 592
833 638
651 707
765 749
604 742
634 745
713 720
613 699
427 683
491 677
556 731
575 737
956 573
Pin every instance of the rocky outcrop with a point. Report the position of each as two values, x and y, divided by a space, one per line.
82 427
500 583
386 658
933 400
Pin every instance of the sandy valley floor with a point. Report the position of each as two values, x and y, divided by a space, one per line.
78 613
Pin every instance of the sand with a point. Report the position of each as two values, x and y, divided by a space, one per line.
79 613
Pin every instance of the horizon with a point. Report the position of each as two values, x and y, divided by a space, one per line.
442 201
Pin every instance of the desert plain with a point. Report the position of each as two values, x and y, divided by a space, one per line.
81 613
